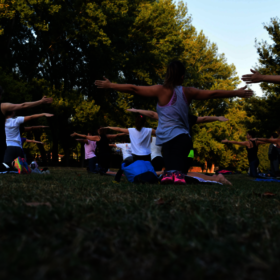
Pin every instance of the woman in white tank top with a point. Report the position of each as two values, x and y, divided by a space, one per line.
140 138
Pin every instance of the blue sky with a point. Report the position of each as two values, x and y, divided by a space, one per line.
234 25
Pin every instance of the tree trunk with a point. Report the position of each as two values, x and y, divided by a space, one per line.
205 167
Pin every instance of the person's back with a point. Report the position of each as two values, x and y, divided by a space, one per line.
13 138
140 141
90 149
13 132
252 152
173 117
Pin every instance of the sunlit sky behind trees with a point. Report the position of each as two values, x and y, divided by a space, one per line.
234 25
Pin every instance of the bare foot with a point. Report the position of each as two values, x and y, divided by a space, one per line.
223 180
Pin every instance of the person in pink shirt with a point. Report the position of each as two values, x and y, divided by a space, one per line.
90 156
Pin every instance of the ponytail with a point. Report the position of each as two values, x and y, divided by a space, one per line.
140 122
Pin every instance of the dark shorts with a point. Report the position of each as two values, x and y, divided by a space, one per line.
11 153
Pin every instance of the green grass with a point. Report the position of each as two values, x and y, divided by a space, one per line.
95 229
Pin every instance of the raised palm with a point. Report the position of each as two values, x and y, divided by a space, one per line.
103 83
242 92
47 100
256 77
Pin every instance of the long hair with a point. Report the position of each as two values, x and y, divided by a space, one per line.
1 91
274 135
252 133
175 71
140 122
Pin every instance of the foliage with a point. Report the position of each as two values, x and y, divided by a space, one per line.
266 109
90 228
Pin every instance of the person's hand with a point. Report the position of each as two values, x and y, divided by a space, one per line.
48 115
103 84
47 100
73 134
222 119
132 110
243 93
225 141
256 77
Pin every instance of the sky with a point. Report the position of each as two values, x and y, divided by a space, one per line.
234 25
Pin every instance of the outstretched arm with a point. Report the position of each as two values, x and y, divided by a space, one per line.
150 114
14 107
92 138
29 118
257 77
245 143
198 94
123 130
30 128
151 91
210 119
112 145
266 140
82 140
34 141
113 136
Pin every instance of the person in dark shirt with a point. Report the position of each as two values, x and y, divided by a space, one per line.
104 150
252 150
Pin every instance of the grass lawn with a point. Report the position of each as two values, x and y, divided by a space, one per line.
90 228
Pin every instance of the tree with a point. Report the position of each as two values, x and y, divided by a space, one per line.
266 109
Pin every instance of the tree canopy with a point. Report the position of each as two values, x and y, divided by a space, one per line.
59 48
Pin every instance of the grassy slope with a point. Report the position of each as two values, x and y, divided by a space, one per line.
98 230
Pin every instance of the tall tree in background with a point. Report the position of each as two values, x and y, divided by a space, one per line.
266 109
60 47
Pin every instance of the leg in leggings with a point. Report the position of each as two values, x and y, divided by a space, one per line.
175 153
119 174
11 153
253 167
104 162
158 163
274 167
92 164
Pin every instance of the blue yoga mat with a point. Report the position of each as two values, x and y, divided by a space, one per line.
267 180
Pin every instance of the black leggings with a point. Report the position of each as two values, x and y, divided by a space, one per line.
104 162
11 153
175 152
145 158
